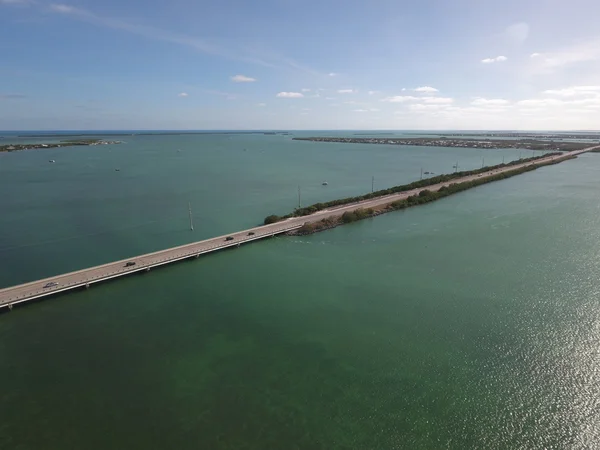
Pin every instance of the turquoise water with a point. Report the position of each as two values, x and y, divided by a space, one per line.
472 322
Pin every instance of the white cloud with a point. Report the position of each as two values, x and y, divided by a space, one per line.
539 103
399 99
64 9
427 107
346 91
437 100
305 90
479 101
575 54
290 95
517 33
374 110
494 60
427 89
329 98
535 55
360 110
574 91
305 109
373 92
332 74
262 104
182 94
242 79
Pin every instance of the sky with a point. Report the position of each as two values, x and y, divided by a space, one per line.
291 64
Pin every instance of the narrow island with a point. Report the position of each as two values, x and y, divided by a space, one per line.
524 144
412 194
87 142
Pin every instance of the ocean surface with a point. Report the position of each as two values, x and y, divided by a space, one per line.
471 322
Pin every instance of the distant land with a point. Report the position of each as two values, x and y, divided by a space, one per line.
148 133
525 144
18 147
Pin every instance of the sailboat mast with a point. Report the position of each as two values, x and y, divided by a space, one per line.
191 221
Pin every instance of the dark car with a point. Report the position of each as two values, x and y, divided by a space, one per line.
229 238
51 284
129 264
251 233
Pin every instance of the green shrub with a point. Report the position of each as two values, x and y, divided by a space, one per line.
272 219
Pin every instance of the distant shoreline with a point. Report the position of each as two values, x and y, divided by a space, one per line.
21 147
147 133
522 144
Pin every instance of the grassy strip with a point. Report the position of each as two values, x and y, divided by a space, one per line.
425 196
299 212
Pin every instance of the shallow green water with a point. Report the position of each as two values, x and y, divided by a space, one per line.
472 322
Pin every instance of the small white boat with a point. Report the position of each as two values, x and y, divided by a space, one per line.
52 161
325 183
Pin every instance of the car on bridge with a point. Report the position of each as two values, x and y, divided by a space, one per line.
129 264
51 284
229 238
251 233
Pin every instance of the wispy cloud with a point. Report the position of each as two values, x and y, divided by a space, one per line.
399 99
517 33
305 90
242 79
575 91
479 101
290 95
580 52
346 91
426 89
182 94
196 43
12 96
262 105
494 60
332 74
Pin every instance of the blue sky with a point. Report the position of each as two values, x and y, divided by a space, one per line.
290 64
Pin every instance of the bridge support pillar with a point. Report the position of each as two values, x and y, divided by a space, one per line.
148 269
197 256
10 307
87 285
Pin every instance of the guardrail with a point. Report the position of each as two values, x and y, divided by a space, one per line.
194 249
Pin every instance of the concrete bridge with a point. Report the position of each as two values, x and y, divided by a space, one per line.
86 277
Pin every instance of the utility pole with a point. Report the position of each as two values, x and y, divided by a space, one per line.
421 173
456 167
299 198
191 221
482 162
519 155
502 159
373 184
